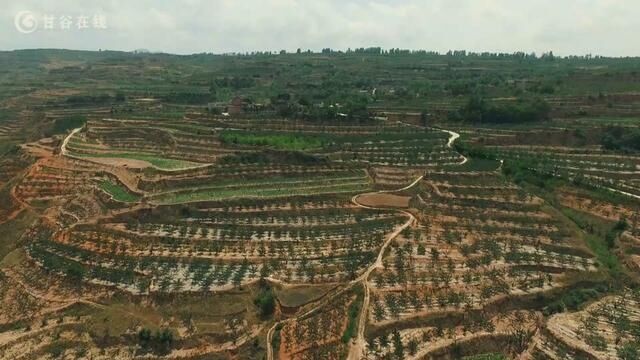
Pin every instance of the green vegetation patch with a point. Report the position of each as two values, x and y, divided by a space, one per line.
281 141
265 301
573 299
600 237
354 314
352 324
65 124
477 110
621 138
264 189
158 162
298 296
489 356
118 192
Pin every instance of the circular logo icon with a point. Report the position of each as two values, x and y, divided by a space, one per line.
25 22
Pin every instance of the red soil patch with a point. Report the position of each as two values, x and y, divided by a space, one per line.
384 200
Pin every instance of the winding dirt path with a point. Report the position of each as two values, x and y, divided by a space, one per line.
359 343
453 136
357 348
63 148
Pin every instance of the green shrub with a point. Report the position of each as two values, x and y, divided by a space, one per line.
523 111
159 342
620 138
62 125
352 325
296 142
629 351
573 299
266 302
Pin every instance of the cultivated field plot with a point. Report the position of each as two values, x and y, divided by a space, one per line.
373 143
249 181
594 166
574 153
222 245
140 144
606 329
324 333
479 241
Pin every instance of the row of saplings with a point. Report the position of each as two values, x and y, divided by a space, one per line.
391 345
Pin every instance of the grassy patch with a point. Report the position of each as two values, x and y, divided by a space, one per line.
352 325
295 142
261 193
300 295
6 147
574 299
596 231
265 301
158 162
206 312
266 189
490 356
118 192
353 313
275 340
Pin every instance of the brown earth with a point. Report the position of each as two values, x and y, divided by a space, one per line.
129 163
384 200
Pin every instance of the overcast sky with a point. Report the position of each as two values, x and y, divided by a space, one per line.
605 27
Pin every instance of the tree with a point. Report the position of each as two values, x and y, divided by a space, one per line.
629 351
164 339
75 271
523 110
398 348
265 302
424 118
383 340
235 326
161 341
144 337
435 254
413 347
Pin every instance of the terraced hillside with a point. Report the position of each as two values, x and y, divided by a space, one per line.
144 219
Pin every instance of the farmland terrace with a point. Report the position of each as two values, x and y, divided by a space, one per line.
140 219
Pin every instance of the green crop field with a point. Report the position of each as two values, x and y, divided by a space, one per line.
117 191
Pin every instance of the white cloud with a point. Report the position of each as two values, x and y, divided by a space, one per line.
566 26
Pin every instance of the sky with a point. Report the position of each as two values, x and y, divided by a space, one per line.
566 27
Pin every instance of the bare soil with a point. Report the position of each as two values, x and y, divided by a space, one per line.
129 163
384 200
